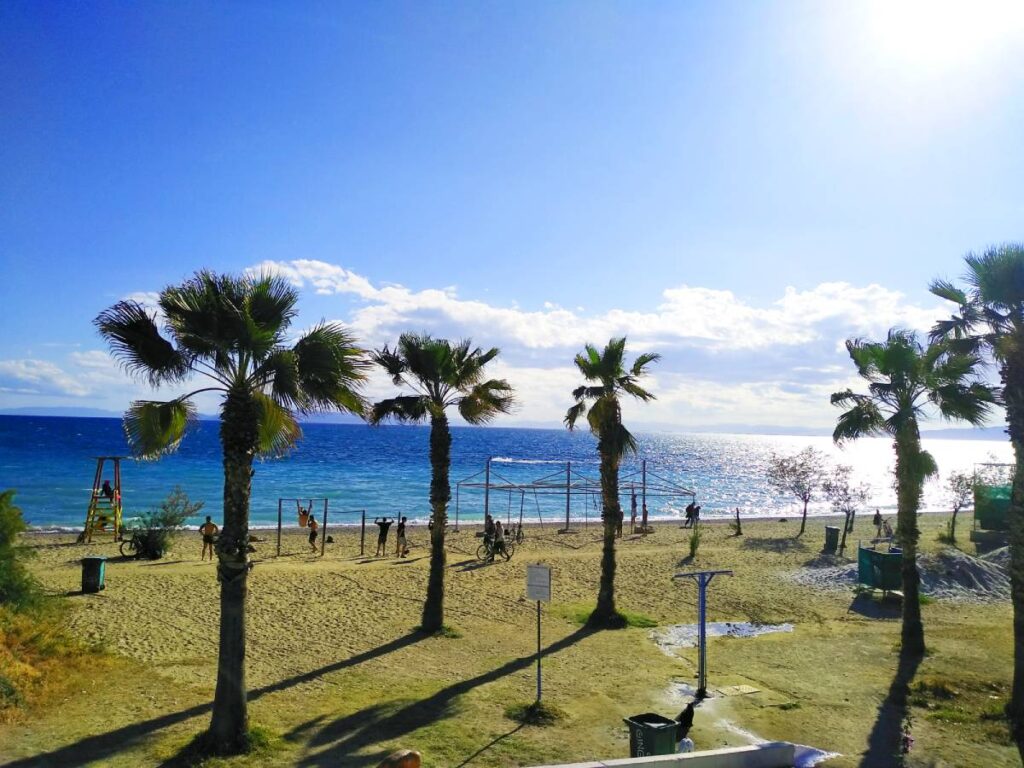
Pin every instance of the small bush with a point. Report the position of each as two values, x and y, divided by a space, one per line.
789 705
157 527
580 613
947 536
17 586
695 536
936 688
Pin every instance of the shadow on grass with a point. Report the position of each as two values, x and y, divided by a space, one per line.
485 747
867 605
340 740
886 738
101 747
762 544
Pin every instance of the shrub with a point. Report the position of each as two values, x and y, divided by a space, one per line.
695 535
17 587
159 525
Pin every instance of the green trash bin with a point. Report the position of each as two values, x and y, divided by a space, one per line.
831 539
651 734
93 573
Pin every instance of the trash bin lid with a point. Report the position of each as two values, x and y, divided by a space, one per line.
93 559
650 718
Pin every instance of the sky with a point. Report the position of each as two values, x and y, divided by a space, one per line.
738 186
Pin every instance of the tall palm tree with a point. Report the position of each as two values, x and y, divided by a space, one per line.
991 322
440 375
611 379
231 331
905 382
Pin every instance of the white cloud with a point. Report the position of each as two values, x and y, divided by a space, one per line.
687 316
39 377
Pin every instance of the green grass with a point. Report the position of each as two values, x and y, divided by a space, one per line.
538 713
578 613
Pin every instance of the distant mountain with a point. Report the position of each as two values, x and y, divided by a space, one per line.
71 412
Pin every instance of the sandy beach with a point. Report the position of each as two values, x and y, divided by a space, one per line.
336 672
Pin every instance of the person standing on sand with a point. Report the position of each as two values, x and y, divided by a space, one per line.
209 530
632 513
498 548
689 515
877 522
401 548
313 528
383 523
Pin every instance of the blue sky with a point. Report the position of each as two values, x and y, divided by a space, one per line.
737 185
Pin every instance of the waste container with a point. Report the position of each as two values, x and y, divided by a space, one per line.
93 573
651 734
831 539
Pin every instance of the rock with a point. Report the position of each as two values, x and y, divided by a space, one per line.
403 758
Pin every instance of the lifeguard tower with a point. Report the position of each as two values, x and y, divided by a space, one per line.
104 515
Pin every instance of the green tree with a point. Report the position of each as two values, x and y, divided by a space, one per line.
800 475
18 588
905 381
231 331
440 375
600 400
990 321
844 496
960 492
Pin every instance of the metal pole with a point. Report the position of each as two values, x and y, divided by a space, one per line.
487 487
279 527
643 468
568 491
456 529
323 533
362 535
538 651
702 657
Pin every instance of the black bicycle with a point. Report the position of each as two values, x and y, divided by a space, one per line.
486 551
133 547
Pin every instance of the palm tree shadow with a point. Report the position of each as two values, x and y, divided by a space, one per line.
101 747
886 737
494 741
351 734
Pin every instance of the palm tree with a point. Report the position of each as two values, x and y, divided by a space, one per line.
991 322
907 380
611 380
231 331
440 375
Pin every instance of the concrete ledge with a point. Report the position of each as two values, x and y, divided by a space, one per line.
775 754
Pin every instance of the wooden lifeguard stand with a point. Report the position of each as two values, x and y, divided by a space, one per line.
104 515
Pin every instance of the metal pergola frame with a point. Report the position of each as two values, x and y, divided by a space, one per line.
642 482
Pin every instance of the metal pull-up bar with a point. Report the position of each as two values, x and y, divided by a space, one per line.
703 578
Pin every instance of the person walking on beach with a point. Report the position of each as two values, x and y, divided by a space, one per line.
689 515
696 516
488 527
313 529
208 530
401 548
877 522
383 523
498 547
632 513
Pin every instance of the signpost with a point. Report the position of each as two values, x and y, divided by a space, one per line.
538 587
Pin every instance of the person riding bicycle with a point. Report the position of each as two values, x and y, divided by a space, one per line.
498 546
488 528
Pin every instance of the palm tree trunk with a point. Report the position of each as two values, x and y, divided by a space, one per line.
909 482
440 494
1013 381
605 614
229 725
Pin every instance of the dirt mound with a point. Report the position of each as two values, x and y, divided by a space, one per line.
950 575
1000 557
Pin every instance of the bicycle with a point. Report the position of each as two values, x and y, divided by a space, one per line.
132 548
485 552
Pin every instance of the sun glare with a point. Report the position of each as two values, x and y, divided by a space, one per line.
936 35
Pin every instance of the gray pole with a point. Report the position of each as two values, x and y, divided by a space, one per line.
643 467
703 578
362 536
538 651
323 533
279 527
487 487
568 491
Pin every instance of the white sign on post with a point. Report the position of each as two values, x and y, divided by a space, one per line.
538 583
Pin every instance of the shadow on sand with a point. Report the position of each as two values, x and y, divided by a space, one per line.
886 738
101 747
867 605
778 546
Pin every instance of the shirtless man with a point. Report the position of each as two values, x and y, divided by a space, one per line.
209 530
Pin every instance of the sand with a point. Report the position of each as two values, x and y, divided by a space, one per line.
336 671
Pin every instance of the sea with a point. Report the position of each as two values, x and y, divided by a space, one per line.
358 469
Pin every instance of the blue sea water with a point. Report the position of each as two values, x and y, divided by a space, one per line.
50 462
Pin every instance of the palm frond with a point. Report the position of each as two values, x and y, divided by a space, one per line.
573 414
137 345
944 289
271 303
280 372
390 361
636 390
863 420
331 370
278 430
642 361
157 428
487 400
405 409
